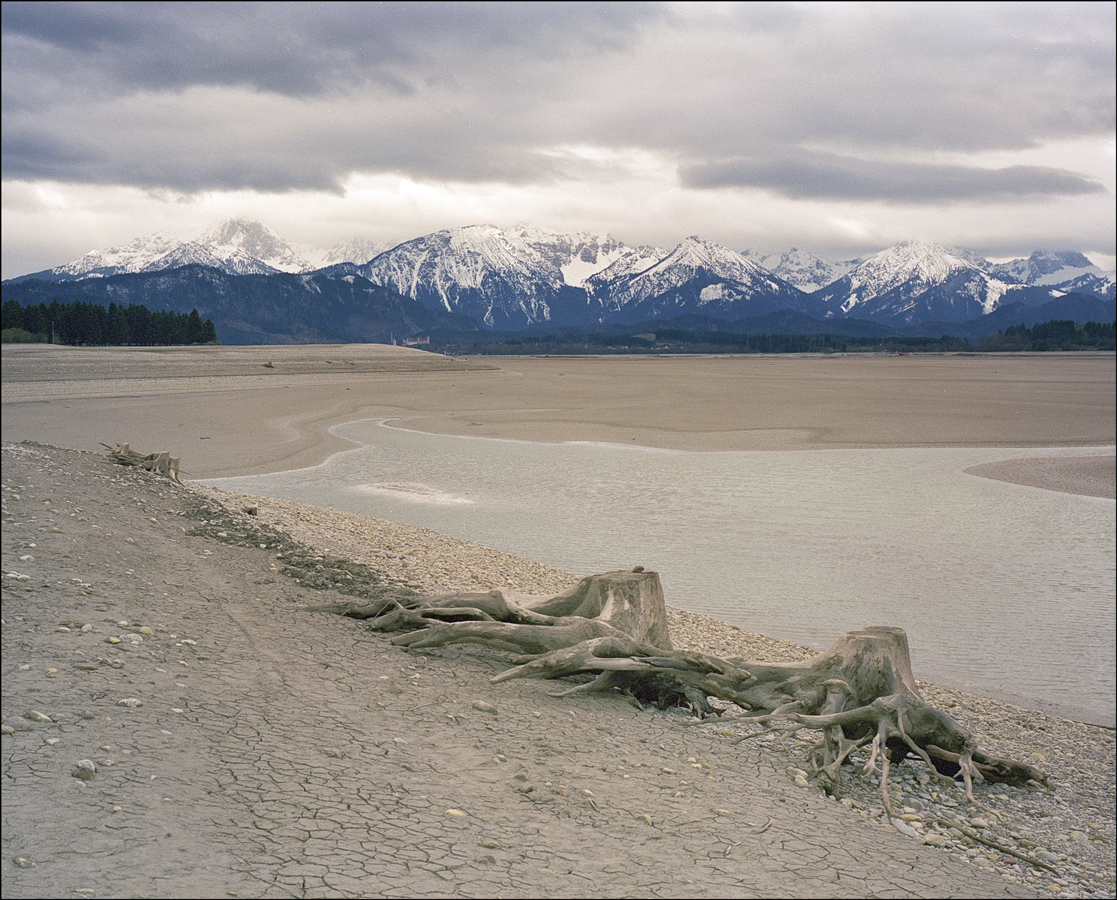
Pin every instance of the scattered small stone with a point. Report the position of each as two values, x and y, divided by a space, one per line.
85 770
904 828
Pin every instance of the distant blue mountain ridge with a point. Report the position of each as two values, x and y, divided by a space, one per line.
257 288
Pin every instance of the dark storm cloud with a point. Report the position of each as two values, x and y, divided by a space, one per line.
294 49
432 90
824 176
286 96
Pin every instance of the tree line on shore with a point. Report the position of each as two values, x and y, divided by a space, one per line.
1056 335
82 324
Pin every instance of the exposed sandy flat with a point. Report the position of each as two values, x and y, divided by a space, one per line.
246 410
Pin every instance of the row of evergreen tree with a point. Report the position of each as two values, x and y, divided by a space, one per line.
91 325
1057 334
1053 335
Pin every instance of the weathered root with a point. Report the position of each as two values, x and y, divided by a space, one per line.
510 636
988 768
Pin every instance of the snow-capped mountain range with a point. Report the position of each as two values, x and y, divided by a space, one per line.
702 277
236 246
510 279
894 286
499 278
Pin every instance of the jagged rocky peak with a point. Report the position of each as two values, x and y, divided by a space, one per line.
691 273
485 247
484 239
578 255
634 261
912 280
477 269
805 270
236 236
1047 267
353 250
908 261
694 254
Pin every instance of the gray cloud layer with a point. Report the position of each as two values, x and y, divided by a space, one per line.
829 176
816 101
295 49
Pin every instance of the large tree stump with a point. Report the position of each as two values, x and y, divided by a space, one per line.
162 463
613 627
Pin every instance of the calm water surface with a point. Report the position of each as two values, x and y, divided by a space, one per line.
1004 590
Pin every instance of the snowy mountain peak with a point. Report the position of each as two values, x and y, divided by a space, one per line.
353 250
913 263
912 278
480 270
717 272
235 239
134 256
694 254
1046 267
578 255
802 268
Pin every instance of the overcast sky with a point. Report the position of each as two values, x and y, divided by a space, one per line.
835 127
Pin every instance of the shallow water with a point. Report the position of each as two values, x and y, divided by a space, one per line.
1004 590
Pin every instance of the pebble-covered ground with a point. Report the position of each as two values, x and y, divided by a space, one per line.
1060 842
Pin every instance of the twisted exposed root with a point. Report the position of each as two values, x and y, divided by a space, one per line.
845 747
610 630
